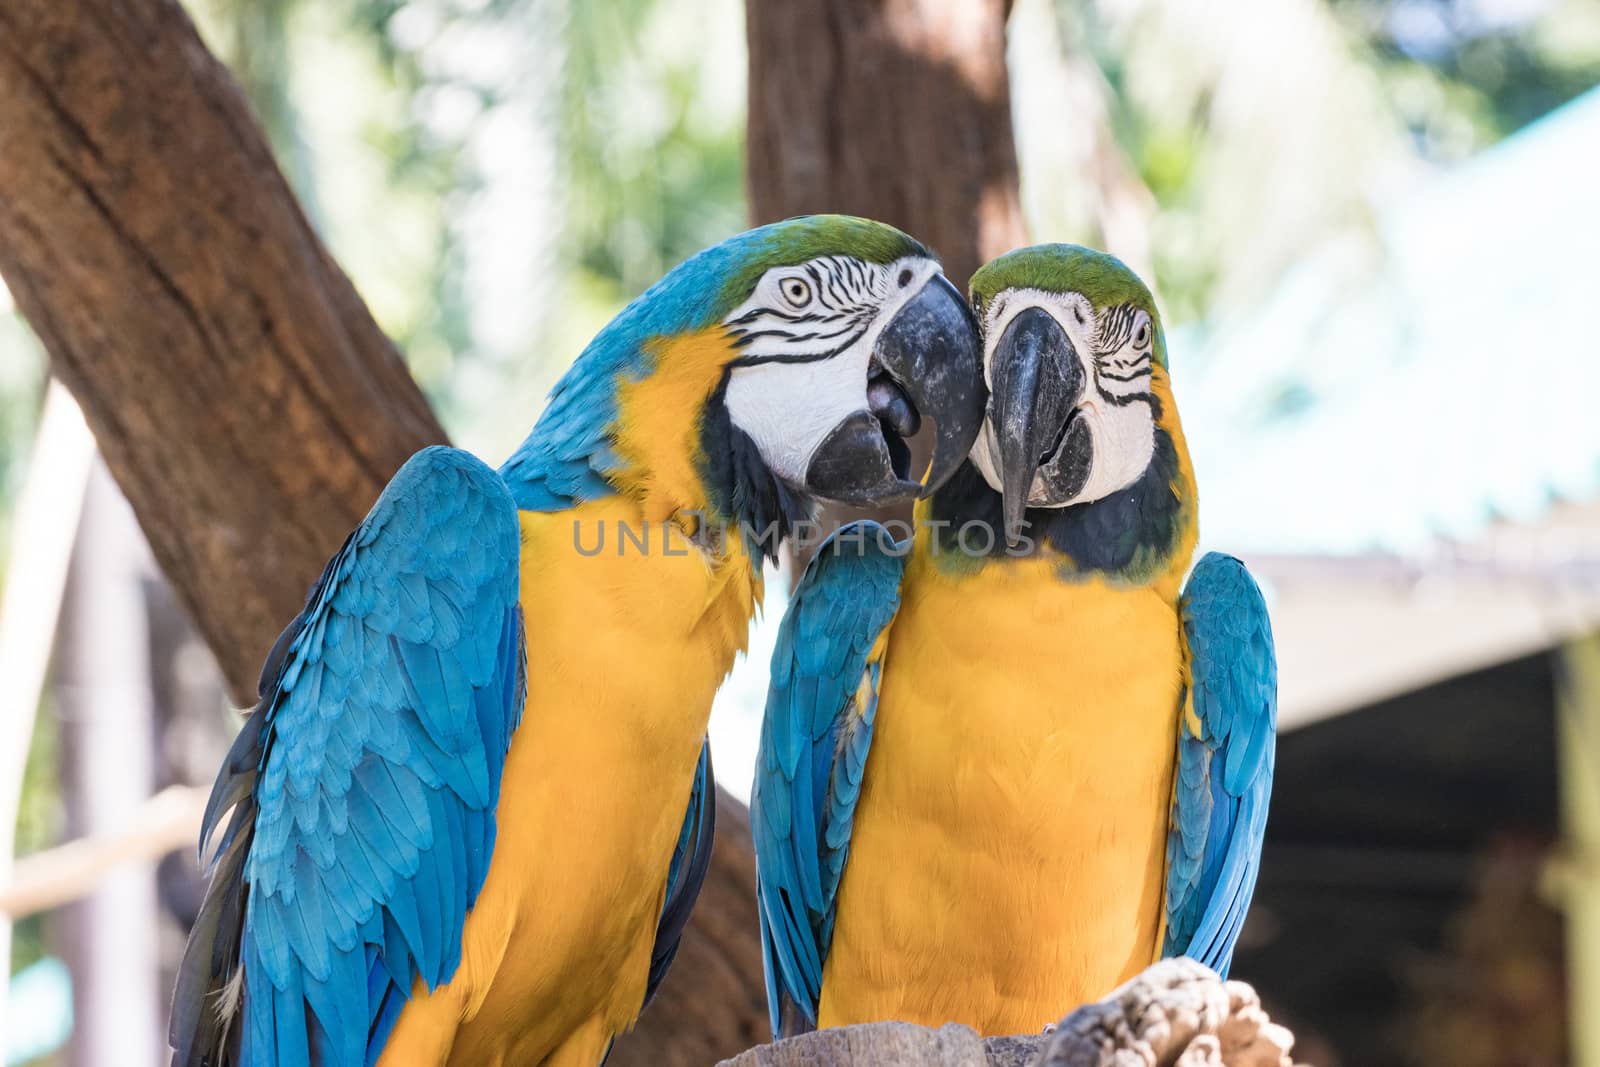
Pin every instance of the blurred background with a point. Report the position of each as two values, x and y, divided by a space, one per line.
1373 228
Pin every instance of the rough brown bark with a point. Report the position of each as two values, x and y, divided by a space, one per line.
899 110
244 398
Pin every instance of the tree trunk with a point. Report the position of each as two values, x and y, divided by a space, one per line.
899 110
243 397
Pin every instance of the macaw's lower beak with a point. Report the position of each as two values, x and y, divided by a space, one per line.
926 365
1045 452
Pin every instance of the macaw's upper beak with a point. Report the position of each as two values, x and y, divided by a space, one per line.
926 365
1045 453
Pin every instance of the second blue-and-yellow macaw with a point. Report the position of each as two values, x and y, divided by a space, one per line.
1009 765
473 808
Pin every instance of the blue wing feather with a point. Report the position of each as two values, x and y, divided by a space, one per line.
363 787
815 737
1224 774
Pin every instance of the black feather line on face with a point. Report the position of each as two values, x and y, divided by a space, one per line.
849 329
796 357
755 314
1116 326
743 490
1122 400
1132 530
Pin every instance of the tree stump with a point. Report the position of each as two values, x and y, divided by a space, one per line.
1178 1013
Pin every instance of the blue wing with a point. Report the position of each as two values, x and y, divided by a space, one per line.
814 739
1225 758
363 788
687 872
568 456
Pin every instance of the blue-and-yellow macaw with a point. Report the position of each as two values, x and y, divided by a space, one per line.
424 866
1006 766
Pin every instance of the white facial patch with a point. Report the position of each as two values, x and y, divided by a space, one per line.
1114 346
807 335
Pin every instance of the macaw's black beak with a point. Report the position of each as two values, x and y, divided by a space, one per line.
926 364
1038 381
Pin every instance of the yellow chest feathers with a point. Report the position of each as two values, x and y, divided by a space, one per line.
1009 846
604 585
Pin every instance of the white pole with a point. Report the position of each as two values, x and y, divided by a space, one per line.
43 526
107 718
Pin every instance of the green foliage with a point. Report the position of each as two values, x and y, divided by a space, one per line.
489 158
1456 64
39 822
22 378
1249 135
654 155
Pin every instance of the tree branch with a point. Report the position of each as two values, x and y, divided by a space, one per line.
1176 1012
242 395
168 821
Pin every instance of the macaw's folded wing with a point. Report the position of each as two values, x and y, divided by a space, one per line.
363 787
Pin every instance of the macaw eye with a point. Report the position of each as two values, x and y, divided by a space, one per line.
1141 334
796 291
